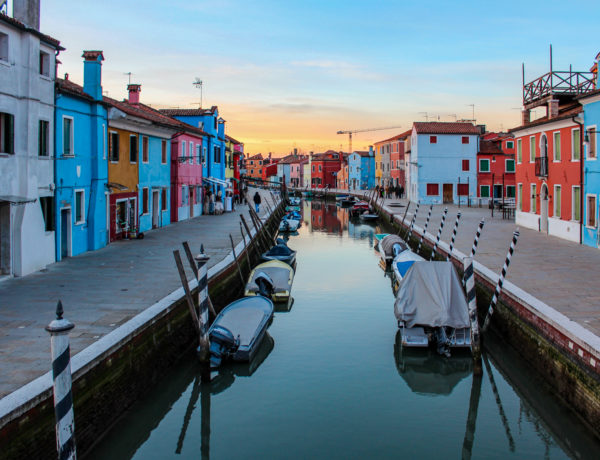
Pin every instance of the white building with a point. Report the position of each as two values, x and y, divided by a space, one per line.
27 72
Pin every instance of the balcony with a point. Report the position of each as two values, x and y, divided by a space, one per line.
565 83
541 167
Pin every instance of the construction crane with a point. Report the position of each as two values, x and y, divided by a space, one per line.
354 131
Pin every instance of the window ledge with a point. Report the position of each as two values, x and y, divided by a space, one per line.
80 222
590 227
68 155
46 77
6 155
5 63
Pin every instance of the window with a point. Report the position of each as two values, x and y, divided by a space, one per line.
465 165
198 194
576 202
133 149
67 141
44 64
3 47
47 204
204 156
216 154
163 199
313 168
433 139
484 165
557 200
79 207
591 211
433 189
43 133
462 189
184 196
532 204
576 147
532 149
191 153
510 191
465 139
113 146
163 152
145 200
556 146
591 140
144 149
183 150
510 144
199 153
7 133
319 168
520 198
519 151
484 191
510 165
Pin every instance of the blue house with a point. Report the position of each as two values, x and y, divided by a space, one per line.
591 182
213 143
80 162
361 170
443 162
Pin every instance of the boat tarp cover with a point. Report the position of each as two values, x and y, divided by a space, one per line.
431 295
280 276
245 318
388 243
279 250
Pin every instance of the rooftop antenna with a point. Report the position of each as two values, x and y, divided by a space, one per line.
473 107
198 84
129 74
426 115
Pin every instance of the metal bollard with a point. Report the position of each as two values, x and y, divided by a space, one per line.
61 375
201 260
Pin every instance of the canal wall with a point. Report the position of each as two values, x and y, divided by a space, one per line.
121 367
563 352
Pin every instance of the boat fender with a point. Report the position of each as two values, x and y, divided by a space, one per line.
265 284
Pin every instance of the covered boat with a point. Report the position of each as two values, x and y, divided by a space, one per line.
294 201
239 329
349 201
390 246
366 216
402 263
359 207
281 252
431 307
289 225
281 276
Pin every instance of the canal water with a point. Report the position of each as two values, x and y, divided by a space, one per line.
330 381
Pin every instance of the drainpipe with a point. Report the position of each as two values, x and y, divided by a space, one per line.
578 120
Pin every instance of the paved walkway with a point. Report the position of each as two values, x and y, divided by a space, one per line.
100 290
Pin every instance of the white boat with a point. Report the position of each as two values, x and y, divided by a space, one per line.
390 246
289 225
402 263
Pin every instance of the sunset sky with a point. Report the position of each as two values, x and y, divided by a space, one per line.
290 74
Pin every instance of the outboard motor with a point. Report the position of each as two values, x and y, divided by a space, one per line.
286 224
222 343
265 284
442 341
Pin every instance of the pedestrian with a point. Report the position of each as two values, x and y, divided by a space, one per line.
401 191
211 202
257 202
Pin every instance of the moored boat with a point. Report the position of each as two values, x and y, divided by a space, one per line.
289 225
281 276
359 207
369 217
390 246
402 263
281 252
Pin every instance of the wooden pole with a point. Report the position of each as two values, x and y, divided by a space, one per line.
469 282
248 232
404 217
186 288
439 235
425 228
190 258
246 249
412 223
236 261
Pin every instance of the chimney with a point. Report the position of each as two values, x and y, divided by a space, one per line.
552 108
134 93
28 12
92 73
525 116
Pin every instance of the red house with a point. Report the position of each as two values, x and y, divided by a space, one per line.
325 167
397 159
496 167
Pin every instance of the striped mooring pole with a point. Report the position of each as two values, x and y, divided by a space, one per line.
453 236
425 228
469 278
439 235
203 348
412 223
61 375
494 301
476 240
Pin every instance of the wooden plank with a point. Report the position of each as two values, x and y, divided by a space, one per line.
186 288
237 261
190 257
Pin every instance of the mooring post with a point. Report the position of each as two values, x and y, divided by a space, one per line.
203 348
476 240
62 382
490 311
469 277
237 262
404 217
246 248
453 237
425 228
412 223
439 235
247 231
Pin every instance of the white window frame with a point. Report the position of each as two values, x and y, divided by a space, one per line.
532 153
480 191
554 159
573 144
488 163
520 196
519 151
148 152
192 151
532 198
557 192
506 166
71 135
45 71
81 205
183 151
199 153
592 129
587 196
510 146
575 191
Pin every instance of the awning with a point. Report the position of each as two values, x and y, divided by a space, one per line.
214 180
13 199
119 187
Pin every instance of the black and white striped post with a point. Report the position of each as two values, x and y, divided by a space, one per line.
412 223
453 237
203 348
404 217
425 228
469 278
439 235
61 374
494 301
476 240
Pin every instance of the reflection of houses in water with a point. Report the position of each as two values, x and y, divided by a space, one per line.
324 217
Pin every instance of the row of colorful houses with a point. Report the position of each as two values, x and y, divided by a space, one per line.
80 169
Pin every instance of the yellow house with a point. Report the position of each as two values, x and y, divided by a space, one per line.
228 158
378 163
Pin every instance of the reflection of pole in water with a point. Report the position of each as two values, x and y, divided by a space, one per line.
188 414
205 427
472 416
511 441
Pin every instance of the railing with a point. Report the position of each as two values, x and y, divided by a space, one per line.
567 83
541 167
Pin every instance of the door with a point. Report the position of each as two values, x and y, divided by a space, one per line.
155 208
4 238
65 233
192 201
448 195
544 209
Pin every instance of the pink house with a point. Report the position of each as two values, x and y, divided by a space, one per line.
297 170
186 174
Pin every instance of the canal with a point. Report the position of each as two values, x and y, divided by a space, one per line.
330 381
